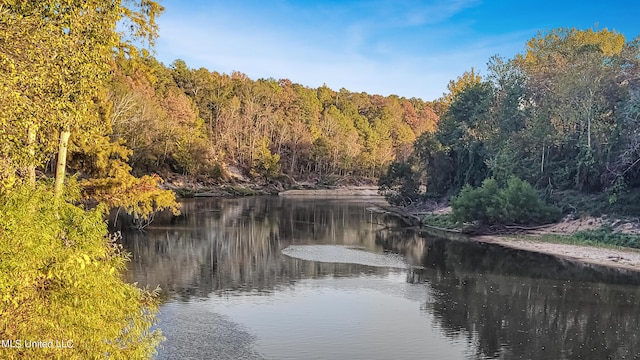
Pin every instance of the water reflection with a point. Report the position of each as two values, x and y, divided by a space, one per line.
506 303
234 245
518 305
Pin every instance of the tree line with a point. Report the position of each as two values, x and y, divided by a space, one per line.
563 115
198 122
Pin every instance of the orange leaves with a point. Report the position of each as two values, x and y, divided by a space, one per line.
179 108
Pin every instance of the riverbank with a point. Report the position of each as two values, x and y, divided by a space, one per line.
339 192
620 258
534 240
556 240
238 184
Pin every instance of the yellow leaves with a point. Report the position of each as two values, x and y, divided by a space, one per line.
51 290
53 68
456 87
141 197
560 47
265 163
7 181
55 65
609 42
82 262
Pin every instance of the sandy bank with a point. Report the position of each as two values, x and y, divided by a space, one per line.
347 191
628 259
623 258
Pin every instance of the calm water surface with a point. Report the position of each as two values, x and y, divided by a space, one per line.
274 278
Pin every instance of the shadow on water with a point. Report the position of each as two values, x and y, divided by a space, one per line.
507 303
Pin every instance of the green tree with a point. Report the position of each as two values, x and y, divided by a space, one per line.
433 163
490 204
400 185
464 131
455 87
76 41
574 81
265 163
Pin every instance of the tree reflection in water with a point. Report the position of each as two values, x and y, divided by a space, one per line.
518 305
509 303
234 245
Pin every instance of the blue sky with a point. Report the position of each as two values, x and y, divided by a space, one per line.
407 48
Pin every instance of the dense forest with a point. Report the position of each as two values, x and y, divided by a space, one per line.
90 121
563 116
157 119
198 122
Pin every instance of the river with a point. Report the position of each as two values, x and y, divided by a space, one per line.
282 278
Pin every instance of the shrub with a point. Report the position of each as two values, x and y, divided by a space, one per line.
60 279
265 163
489 204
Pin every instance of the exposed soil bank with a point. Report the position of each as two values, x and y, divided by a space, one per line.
239 185
628 259
348 191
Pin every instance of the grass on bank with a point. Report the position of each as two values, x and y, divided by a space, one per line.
602 237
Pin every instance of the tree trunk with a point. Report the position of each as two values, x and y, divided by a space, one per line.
61 165
293 160
542 162
589 132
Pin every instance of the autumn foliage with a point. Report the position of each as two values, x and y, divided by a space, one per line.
193 121
563 116
61 272
60 279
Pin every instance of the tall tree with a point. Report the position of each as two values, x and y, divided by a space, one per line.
455 87
573 81
464 131
73 43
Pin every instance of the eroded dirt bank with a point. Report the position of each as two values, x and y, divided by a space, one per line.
622 258
617 258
